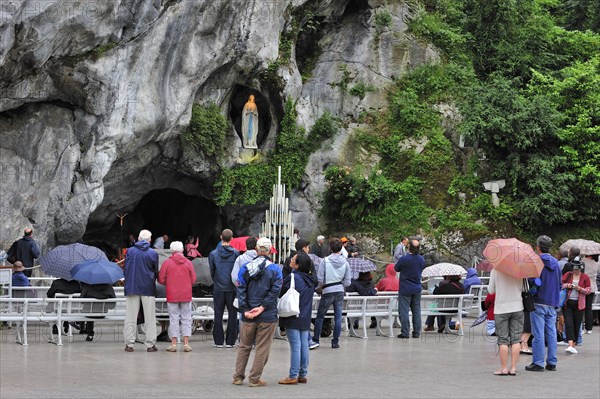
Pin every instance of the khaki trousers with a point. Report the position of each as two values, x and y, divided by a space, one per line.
133 308
260 335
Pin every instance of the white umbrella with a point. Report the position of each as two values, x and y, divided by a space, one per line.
444 269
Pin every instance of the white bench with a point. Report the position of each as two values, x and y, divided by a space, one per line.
596 301
447 305
479 293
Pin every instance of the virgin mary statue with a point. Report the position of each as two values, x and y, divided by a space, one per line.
250 123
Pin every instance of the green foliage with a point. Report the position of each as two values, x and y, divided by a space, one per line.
361 89
207 130
324 128
346 78
433 28
360 201
101 50
251 184
383 19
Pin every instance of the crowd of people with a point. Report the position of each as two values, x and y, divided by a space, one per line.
249 284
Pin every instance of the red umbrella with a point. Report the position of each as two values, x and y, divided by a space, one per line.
484 266
239 243
513 257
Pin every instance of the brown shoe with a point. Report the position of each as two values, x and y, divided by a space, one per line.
302 380
259 383
289 381
237 381
128 348
152 349
429 328
441 328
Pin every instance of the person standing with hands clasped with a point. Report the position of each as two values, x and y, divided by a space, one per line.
259 283
297 328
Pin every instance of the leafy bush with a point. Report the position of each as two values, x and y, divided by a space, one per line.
383 19
207 130
361 89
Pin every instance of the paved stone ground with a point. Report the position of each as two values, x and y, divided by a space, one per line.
435 366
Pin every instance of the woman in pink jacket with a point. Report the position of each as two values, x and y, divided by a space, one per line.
577 285
177 275
191 248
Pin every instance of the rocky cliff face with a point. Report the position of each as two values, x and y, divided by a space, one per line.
94 96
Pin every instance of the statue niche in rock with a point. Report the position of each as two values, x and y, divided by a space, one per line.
250 123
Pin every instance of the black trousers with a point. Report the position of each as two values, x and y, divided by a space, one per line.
573 318
589 314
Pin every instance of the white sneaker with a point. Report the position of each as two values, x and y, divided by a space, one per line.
229 346
218 346
562 343
314 345
588 332
571 350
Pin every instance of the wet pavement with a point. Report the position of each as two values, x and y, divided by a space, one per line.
434 366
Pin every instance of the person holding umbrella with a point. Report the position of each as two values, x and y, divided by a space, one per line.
141 267
508 316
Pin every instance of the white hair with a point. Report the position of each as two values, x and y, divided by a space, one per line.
320 238
176 246
145 235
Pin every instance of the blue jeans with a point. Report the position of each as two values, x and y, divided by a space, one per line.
222 299
543 328
298 340
414 303
337 299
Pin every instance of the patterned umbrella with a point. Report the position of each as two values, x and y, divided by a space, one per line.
443 269
59 261
513 257
358 265
586 247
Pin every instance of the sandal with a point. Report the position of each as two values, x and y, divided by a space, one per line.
502 372
512 372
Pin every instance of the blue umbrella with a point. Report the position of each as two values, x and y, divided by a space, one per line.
97 272
60 260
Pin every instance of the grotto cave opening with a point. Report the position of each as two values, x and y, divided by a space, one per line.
162 211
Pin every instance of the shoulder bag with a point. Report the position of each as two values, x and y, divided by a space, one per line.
528 305
289 303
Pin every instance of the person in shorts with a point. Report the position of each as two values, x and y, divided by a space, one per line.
508 314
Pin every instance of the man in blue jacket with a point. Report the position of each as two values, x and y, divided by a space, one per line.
24 250
141 268
543 318
410 267
221 261
259 285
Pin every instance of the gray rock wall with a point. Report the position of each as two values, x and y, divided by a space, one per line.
93 97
